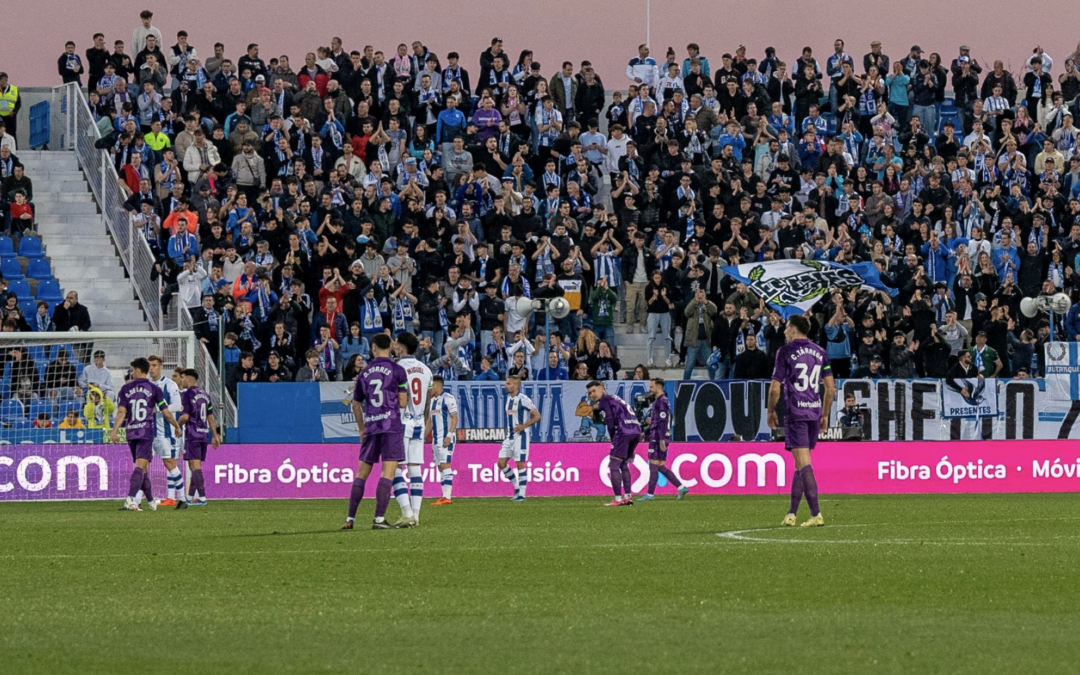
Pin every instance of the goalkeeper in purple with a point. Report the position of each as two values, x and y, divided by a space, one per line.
802 371
659 435
136 404
380 394
625 431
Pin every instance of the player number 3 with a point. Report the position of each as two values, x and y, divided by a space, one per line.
807 378
376 393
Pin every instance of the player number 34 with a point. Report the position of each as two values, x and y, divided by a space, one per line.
807 378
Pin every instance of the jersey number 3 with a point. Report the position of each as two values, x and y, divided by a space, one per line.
807 378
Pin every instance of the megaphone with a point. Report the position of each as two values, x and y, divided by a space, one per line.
1028 307
524 306
1060 303
558 308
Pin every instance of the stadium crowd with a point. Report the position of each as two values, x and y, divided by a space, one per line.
297 210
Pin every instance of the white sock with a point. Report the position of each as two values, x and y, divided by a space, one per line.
139 497
175 481
416 488
523 481
447 483
401 493
510 476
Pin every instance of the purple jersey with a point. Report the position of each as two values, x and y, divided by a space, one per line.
660 421
141 399
197 406
377 387
801 366
619 417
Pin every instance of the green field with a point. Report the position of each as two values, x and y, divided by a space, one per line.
899 584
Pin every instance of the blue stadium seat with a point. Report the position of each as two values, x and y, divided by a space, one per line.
7 247
22 425
29 307
49 291
10 269
41 366
11 411
41 405
21 289
30 247
36 352
66 405
56 349
38 268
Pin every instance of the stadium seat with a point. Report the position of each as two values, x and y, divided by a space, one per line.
30 247
41 405
28 306
66 405
22 425
56 349
49 291
21 289
11 411
10 269
7 247
38 268
41 366
36 352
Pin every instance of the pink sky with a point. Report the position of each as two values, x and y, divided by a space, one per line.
606 32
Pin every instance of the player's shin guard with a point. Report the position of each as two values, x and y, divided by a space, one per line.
797 488
627 479
355 496
400 488
616 477
382 497
416 488
671 477
654 476
199 480
174 481
510 476
810 487
147 487
135 486
447 483
523 481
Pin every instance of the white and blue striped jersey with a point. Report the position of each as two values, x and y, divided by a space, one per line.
443 407
419 385
518 411
168 388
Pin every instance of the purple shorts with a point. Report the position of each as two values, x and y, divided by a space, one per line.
194 449
623 447
382 447
801 433
655 453
141 448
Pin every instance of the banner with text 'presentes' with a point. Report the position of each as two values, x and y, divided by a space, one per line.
793 286
319 471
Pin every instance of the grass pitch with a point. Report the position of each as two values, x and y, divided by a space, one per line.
898 584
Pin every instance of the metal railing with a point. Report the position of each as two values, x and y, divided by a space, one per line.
78 132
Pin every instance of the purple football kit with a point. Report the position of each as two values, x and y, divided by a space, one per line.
659 428
622 425
377 388
196 404
801 366
142 399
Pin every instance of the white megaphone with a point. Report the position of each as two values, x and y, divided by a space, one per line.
523 306
558 308
1060 303
1028 307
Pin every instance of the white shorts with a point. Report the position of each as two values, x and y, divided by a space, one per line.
516 448
414 444
166 448
443 454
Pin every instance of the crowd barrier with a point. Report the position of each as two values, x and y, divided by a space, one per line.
325 471
702 411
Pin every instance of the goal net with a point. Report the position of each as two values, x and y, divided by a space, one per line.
58 404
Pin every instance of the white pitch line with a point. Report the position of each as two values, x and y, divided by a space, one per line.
740 536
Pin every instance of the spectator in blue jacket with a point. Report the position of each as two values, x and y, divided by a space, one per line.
936 256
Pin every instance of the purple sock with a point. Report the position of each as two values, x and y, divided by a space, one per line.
616 477
626 478
670 475
199 482
147 487
796 491
136 482
654 475
810 484
356 495
382 496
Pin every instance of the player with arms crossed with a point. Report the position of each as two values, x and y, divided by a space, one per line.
136 404
197 418
625 431
380 394
414 421
659 436
444 421
801 367
167 445
521 413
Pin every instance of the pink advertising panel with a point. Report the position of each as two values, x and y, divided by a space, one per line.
35 472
